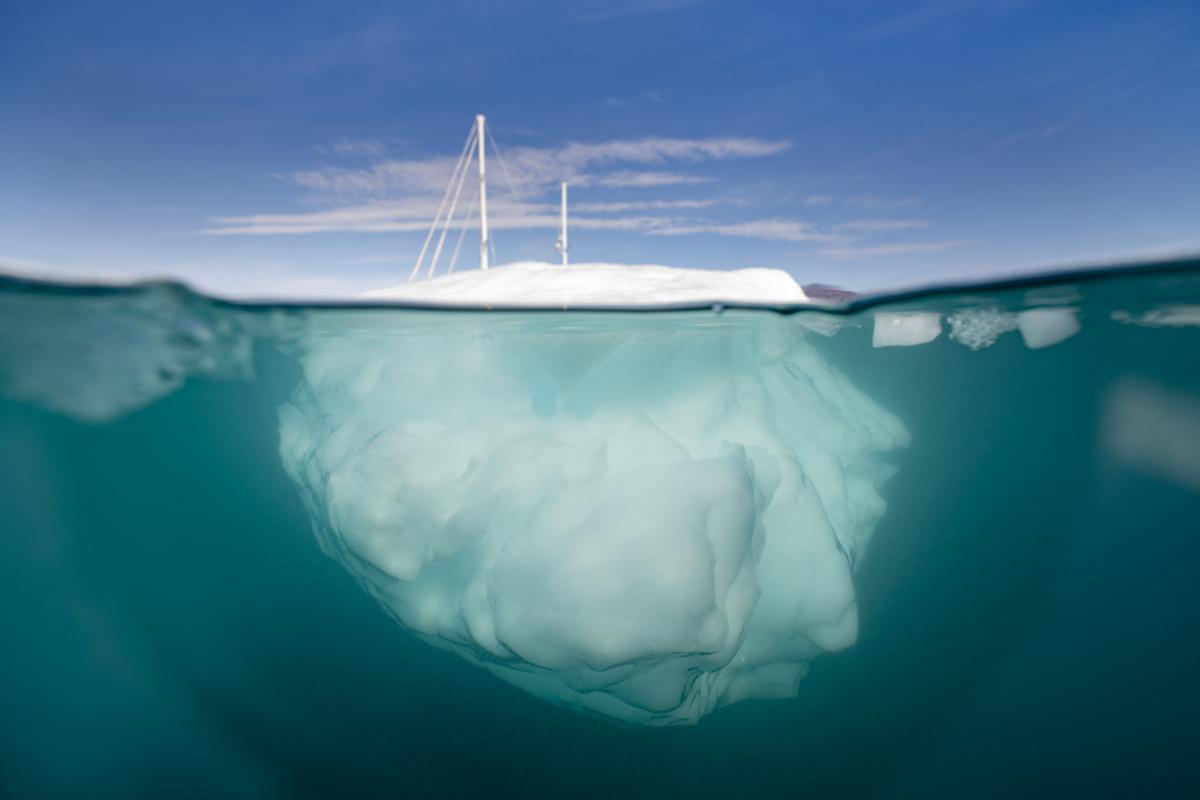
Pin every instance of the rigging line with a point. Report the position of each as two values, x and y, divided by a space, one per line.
441 206
457 182
463 233
437 254
457 165
512 186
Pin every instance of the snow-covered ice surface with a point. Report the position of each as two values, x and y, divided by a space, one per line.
531 284
645 521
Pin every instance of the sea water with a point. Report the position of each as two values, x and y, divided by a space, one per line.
280 550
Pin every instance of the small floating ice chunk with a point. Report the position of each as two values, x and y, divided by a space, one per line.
1168 316
827 325
1043 327
905 328
978 328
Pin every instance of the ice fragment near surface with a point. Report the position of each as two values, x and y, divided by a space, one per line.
1043 327
905 328
978 328
97 357
1175 315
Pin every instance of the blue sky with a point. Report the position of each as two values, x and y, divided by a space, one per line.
300 148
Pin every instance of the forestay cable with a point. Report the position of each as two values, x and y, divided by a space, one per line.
512 186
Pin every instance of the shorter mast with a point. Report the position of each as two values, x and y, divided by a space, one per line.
561 244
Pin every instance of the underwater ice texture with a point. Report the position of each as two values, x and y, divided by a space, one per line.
115 353
645 520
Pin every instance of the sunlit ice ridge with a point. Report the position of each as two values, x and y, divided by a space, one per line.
635 492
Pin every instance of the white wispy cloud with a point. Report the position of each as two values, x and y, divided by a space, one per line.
515 215
393 177
902 248
864 226
354 148
1031 136
639 179
651 150
389 217
874 201
786 230
646 205
389 195
398 195
530 169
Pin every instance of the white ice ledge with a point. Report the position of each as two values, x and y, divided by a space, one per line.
530 284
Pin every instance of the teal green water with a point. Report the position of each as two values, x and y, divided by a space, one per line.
1026 610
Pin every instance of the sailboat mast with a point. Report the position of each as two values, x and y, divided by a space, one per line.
562 236
480 122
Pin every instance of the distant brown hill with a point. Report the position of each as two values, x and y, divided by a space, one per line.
832 294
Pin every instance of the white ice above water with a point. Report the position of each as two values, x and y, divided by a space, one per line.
532 283
642 517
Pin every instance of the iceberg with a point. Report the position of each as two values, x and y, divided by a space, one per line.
1045 327
642 516
905 328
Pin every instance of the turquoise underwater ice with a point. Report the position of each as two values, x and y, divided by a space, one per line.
643 518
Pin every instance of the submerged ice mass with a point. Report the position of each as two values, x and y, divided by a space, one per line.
645 520
116 353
